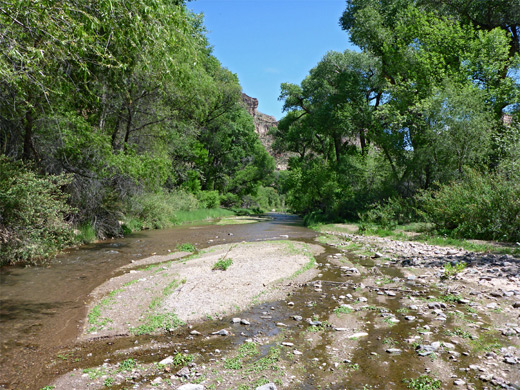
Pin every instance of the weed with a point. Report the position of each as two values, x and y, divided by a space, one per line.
389 341
94 373
342 310
233 363
186 247
458 332
269 361
127 365
109 382
451 270
353 366
166 321
172 286
48 388
130 282
424 382
450 298
248 349
222 264
182 359
487 342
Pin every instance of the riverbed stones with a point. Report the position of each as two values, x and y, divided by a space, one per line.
358 335
190 386
268 386
222 332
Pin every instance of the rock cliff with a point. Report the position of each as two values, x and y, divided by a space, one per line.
263 123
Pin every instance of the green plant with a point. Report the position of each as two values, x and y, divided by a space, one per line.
451 270
48 388
109 382
182 359
127 365
163 321
222 264
233 363
482 205
33 209
186 247
342 310
458 332
424 382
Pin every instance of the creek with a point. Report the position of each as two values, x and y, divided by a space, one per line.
42 307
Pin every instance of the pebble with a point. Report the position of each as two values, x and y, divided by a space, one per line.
268 386
394 350
245 322
190 386
296 352
357 335
459 382
297 318
168 360
222 332
195 333
287 344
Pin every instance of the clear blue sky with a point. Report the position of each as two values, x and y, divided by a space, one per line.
268 42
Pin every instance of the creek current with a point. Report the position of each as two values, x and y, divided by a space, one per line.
362 321
42 307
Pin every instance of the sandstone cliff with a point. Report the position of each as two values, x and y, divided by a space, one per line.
263 123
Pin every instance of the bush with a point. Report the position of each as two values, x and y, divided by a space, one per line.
33 210
481 206
158 210
209 199
392 212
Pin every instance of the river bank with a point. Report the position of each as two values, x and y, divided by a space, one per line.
378 314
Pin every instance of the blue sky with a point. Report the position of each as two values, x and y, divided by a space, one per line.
268 42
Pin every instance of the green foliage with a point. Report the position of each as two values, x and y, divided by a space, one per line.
86 233
451 270
162 321
342 310
186 247
135 110
153 211
209 199
182 359
424 382
33 210
482 206
127 365
222 264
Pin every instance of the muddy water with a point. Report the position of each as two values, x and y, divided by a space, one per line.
41 308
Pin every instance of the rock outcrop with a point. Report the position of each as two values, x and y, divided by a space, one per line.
263 124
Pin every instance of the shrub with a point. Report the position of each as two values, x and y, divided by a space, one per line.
33 210
209 199
158 210
392 212
223 264
481 206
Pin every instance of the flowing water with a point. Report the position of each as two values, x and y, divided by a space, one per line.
41 307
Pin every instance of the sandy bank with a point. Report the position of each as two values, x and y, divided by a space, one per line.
162 294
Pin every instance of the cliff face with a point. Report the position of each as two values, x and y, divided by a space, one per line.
263 123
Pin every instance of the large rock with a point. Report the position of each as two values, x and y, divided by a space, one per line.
264 123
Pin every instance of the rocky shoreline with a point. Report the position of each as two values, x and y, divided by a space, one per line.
377 314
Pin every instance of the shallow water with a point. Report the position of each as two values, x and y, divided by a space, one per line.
41 308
